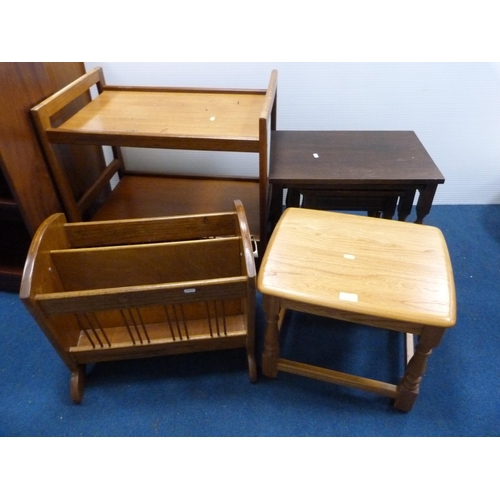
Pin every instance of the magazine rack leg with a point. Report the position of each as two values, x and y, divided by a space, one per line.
77 384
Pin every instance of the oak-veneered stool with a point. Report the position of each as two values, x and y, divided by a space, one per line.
387 274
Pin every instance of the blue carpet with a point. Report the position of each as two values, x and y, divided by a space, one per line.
209 394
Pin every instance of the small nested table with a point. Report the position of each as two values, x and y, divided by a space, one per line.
382 273
373 171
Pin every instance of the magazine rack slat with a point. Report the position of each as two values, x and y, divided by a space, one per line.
113 290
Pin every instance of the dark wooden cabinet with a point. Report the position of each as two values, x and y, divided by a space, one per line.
27 194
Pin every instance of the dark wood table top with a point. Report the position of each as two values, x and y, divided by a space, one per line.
348 157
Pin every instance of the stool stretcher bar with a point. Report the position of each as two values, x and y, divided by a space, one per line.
339 378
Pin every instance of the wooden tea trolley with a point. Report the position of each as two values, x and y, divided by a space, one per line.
233 120
114 290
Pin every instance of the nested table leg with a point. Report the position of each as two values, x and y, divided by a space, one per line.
425 200
409 386
270 355
390 209
405 204
293 197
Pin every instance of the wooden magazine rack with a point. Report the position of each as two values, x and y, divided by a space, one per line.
114 290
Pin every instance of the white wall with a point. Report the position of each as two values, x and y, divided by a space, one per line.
454 108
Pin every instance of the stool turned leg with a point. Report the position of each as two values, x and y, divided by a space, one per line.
270 355
408 387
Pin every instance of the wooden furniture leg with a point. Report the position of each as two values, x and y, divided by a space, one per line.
390 209
252 366
293 197
250 340
271 306
425 200
405 204
408 387
77 384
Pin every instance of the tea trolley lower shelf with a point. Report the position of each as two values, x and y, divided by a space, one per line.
113 290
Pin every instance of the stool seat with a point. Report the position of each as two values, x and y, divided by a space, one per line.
383 273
